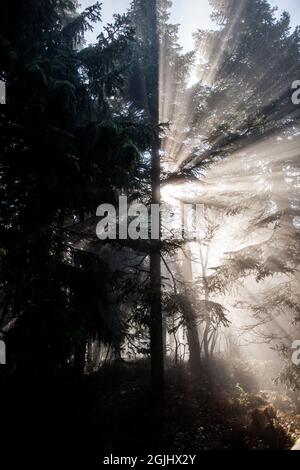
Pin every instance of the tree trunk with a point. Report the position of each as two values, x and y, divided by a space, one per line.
190 317
206 340
156 329
193 342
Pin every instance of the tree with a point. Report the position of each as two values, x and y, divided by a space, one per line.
252 138
64 150
145 19
231 120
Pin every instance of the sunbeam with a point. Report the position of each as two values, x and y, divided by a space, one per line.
150 230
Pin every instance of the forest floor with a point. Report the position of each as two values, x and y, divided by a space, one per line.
111 412
223 409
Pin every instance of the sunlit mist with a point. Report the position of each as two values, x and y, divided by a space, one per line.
247 182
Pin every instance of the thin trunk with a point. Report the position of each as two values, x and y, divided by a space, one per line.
214 342
206 341
207 329
189 313
165 333
190 316
176 348
193 342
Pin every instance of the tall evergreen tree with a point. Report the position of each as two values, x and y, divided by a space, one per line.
64 151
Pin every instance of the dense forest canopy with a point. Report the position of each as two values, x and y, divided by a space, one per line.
85 124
